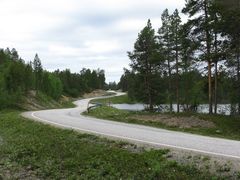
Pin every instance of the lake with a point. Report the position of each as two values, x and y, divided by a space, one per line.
203 108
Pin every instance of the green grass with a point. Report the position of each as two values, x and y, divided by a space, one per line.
114 100
67 104
226 126
30 150
49 103
109 93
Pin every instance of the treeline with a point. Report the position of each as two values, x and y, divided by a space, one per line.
17 78
188 63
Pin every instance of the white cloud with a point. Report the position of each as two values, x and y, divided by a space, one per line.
126 25
78 33
101 46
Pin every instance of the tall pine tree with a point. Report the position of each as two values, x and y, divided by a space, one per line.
175 29
199 12
144 61
38 72
165 44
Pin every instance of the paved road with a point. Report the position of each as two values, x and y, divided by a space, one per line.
72 118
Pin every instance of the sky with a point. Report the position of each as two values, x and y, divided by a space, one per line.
78 34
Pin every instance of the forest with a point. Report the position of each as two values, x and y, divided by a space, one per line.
188 63
17 78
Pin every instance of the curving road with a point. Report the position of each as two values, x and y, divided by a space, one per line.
72 119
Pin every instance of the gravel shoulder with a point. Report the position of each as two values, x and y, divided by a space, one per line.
180 122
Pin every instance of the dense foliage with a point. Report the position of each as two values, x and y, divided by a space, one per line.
17 78
188 63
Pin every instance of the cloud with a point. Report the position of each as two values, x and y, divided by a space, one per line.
78 33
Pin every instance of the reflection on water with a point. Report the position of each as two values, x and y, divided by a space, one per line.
203 108
131 107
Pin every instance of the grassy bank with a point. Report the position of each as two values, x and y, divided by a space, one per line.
38 101
30 150
223 126
114 100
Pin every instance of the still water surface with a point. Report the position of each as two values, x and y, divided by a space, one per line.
203 108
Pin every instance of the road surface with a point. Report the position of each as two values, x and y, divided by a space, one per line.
72 119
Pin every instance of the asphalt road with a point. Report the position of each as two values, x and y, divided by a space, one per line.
72 119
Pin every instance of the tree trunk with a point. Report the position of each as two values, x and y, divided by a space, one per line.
187 93
170 86
150 102
177 84
177 80
208 43
149 96
216 73
238 78
210 87
215 90
148 86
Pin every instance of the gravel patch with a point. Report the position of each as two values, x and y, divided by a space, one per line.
95 93
181 122
226 168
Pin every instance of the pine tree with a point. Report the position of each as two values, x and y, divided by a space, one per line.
28 76
165 43
14 54
143 61
175 29
218 48
187 54
230 21
101 78
199 11
38 72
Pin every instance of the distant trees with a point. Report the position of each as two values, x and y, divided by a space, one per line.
101 79
124 81
51 85
75 84
17 78
129 82
112 86
38 72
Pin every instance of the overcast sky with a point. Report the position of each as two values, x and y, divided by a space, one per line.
78 33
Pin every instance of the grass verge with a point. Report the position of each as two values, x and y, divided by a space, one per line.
30 150
114 100
39 101
49 103
225 126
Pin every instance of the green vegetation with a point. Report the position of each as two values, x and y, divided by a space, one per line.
42 101
114 100
188 63
18 79
109 93
30 150
174 64
76 84
225 126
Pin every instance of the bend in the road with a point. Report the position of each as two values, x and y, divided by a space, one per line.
72 118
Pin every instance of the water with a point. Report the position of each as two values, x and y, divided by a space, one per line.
130 107
203 108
